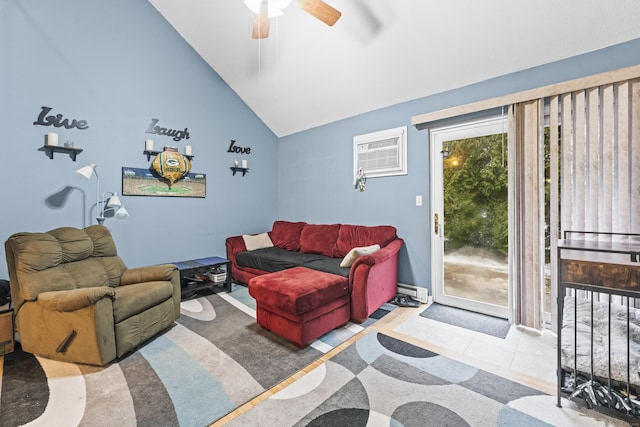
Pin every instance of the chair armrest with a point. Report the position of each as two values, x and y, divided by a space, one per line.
148 274
389 251
382 268
235 245
74 299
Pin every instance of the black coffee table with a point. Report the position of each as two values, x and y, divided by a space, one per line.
194 275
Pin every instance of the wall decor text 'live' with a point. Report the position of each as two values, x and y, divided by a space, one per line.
58 120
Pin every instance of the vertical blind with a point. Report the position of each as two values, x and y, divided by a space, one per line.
594 179
600 168
527 224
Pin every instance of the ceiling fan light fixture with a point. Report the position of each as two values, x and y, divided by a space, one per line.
265 9
253 5
273 10
274 7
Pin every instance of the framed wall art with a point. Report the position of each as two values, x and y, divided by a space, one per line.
147 182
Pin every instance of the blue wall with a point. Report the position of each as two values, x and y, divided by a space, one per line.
315 178
117 64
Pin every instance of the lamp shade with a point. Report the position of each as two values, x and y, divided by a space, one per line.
114 201
87 171
122 214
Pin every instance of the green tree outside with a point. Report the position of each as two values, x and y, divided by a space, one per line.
476 194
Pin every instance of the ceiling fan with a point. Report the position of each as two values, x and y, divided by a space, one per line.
265 9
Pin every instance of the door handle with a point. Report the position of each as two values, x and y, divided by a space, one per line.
435 223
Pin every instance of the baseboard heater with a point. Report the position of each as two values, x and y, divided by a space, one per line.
416 292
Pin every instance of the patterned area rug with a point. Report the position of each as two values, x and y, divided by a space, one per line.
380 380
213 360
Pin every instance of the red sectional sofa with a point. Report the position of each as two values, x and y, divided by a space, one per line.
370 281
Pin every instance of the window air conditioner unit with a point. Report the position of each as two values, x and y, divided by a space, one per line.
381 153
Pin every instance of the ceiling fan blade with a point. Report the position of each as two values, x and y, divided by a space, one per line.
260 26
320 10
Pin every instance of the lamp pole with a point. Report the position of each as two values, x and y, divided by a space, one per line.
114 201
99 212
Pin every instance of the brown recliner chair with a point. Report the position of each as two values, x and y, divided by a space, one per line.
76 301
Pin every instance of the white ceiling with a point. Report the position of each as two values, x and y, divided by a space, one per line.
383 52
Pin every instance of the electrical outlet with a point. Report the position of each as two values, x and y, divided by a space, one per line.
418 200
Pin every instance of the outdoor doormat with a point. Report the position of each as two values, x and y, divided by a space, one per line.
478 322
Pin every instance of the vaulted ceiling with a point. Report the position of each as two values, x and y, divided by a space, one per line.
384 52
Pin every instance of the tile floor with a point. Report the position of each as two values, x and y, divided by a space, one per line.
523 351
525 355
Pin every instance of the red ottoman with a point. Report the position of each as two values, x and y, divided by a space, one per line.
300 304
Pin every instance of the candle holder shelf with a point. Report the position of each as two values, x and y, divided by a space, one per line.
239 169
50 149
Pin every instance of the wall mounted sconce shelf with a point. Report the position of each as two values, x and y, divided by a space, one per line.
150 153
50 149
239 169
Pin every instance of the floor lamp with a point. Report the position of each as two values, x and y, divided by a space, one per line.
113 204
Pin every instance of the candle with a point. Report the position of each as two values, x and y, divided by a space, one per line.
244 164
148 144
187 150
51 139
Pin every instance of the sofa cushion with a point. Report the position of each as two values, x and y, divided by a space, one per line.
319 238
75 244
354 236
257 241
328 265
355 253
133 299
297 290
274 259
61 259
286 235
103 243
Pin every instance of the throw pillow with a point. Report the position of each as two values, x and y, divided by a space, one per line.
257 241
357 236
319 238
286 235
355 253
